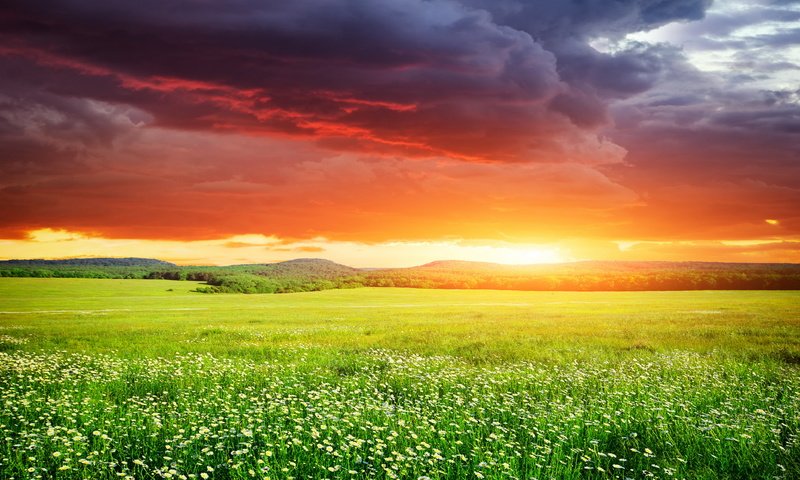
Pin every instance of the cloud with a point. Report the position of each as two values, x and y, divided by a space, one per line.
199 185
480 81
400 119
554 21
417 77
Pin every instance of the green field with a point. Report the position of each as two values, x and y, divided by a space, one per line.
145 379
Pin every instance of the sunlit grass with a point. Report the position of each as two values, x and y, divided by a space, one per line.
143 379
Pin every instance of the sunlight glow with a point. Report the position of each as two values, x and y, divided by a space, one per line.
53 243
521 256
257 248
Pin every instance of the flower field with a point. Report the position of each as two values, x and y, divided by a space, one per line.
127 380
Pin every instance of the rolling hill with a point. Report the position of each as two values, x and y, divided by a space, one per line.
306 274
88 262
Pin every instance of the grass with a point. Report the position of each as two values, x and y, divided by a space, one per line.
145 379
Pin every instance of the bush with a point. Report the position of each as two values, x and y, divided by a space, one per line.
244 284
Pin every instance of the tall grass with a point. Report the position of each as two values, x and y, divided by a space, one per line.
102 380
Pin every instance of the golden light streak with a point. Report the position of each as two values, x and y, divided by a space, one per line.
257 248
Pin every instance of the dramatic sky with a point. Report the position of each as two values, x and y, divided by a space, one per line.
395 132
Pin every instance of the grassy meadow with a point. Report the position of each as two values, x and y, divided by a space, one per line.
146 379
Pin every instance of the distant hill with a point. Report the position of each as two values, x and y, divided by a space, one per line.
460 265
308 274
316 268
598 266
88 262
299 275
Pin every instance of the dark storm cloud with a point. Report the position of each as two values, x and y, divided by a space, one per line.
594 78
419 77
555 21
318 68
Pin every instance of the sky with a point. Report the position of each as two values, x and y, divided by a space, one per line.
398 132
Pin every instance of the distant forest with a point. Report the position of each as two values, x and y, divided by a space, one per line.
304 275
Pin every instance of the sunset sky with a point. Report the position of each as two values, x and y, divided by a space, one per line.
397 132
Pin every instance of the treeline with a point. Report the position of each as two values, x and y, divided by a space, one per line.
218 279
249 283
300 275
304 275
592 276
676 280
69 271
130 267
87 262
262 282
